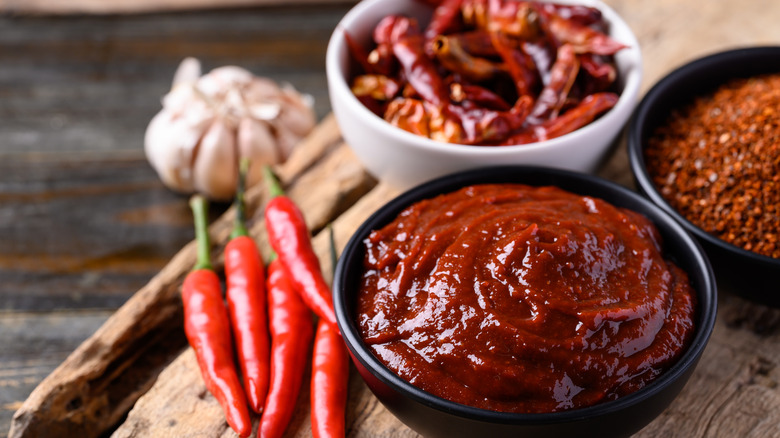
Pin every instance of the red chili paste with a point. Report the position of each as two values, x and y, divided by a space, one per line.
523 299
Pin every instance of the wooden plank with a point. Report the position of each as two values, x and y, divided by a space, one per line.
139 6
135 225
33 344
90 84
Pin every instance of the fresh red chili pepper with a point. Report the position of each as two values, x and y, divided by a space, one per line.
329 377
207 328
292 328
289 237
245 278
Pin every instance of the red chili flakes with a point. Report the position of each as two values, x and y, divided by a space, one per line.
717 162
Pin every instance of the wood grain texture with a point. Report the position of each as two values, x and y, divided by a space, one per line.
139 6
84 220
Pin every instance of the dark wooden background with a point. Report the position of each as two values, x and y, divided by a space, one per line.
84 220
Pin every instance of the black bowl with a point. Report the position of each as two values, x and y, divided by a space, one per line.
432 416
738 271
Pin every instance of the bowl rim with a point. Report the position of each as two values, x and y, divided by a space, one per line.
706 299
636 144
632 79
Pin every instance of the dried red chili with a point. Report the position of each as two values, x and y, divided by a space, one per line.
717 162
542 60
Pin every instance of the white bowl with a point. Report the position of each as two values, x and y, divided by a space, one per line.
403 159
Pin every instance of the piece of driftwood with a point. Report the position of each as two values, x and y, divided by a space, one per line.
136 6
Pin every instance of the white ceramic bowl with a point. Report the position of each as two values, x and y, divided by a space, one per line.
404 159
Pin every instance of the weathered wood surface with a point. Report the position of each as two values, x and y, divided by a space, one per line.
734 391
138 6
84 220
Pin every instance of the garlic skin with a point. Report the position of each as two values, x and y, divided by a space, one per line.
209 122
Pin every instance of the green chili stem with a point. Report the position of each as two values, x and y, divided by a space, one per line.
274 187
334 257
239 228
200 208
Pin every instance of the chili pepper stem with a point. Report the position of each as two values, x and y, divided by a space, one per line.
274 187
239 227
334 257
199 206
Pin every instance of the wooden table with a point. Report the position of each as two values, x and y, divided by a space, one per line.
85 223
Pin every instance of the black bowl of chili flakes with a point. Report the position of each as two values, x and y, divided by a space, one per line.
704 144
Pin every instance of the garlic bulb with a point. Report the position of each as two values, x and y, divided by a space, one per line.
209 122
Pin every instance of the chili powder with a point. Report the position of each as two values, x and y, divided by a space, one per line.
717 162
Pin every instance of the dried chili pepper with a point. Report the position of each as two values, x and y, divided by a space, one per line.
475 42
584 39
467 93
409 115
378 87
207 328
551 56
329 377
289 236
358 54
446 19
581 14
521 66
562 76
573 119
419 70
245 278
292 328
454 58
